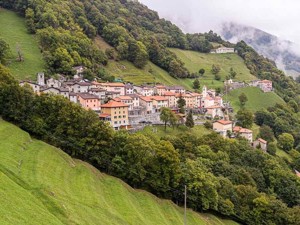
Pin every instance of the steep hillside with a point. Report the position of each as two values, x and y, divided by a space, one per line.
149 74
257 99
196 60
41 183
14 32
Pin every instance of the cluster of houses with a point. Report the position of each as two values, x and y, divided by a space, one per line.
227 129
264 85
125 105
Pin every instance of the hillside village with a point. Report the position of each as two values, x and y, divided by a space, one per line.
128 106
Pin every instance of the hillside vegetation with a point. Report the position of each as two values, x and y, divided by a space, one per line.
42 183
257 100
151 73
14 31
194 61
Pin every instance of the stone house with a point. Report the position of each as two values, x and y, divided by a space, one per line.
223 127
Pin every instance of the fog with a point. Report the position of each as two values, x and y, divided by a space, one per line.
277 17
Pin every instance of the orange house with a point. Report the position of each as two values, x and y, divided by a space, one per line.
89 101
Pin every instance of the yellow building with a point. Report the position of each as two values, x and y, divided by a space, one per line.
116 113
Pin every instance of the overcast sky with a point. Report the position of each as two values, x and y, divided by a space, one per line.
278 17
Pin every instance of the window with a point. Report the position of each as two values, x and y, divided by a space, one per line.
115 117
115 122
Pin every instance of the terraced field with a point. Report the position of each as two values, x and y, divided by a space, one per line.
40 184
13 30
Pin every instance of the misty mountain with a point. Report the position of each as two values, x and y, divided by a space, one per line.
283 52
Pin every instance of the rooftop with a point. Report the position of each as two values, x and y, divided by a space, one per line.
241 130
87 96
224 122
113 104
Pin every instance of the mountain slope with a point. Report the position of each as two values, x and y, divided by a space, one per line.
14 32
257 99
196 60
280 51
41 183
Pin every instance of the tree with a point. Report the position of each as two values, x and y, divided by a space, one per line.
266 133
168 116
243 99
245 118
4 51
196 84
217 77
272 148
189 120
232 73
202 72
285 142
181 103
165 116
215 69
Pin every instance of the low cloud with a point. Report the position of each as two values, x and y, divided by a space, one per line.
278 17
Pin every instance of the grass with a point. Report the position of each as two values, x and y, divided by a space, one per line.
150 74
159 131
257 99
14 32
42 183
196 60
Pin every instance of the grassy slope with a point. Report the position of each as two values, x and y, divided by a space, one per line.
160 131
13 31
41 183
150 74
256 98
195 61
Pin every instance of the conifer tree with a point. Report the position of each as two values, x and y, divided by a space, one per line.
189 120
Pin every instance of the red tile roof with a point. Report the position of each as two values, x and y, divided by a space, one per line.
241 130
224 122
169 93
113 104
262 140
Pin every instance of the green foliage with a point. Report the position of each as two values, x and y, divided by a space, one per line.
266 133
215 69
232 73
285 141
272 148
196 84
168 116
181 104
4 52
14 32
243 99
202 71
245 118
189 120
53 167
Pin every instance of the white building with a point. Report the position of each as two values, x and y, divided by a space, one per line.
223 50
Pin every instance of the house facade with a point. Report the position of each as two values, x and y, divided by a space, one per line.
116 113
243 132
89 101
223 127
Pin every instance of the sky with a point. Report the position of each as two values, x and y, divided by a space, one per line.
278 17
